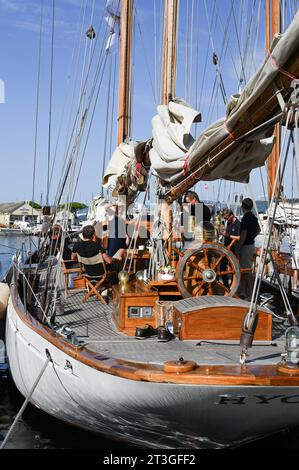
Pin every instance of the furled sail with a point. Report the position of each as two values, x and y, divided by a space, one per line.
127 171
175 154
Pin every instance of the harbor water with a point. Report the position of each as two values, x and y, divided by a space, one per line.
37 430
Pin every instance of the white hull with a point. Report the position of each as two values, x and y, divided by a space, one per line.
157 415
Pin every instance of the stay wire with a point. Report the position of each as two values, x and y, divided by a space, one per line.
107 120
89 129
75 84
67 157
50 103
37 102
83 119
77 39
113 106
146 57
218 71
191 51
187 53
267 237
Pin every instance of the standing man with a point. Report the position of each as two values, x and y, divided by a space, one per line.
118 239
230 234
249 229
191 197
192 217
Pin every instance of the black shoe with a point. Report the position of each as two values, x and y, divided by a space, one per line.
164 334
145 332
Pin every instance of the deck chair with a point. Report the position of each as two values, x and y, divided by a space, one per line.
94 284
68 268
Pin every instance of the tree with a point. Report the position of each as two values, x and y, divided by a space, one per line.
35 205
73 207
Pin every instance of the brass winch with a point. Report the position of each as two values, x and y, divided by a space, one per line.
123 278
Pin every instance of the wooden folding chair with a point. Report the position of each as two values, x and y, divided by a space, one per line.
68 268
95 284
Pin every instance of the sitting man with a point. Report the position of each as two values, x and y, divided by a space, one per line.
88 248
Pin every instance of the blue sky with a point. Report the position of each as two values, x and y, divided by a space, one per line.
202 27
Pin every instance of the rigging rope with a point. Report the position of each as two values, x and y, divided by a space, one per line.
191 52
50 103
23 407
37 102
68 137
106 121
267 238
67 89
31 290
78 138
136 229
68 149
146 58
243 76
113 105
197 63
187 53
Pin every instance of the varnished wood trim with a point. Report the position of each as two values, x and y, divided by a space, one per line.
249 375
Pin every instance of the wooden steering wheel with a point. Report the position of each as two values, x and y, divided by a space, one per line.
200 271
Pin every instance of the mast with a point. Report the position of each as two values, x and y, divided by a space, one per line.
124 104
169 50
273 26
168 87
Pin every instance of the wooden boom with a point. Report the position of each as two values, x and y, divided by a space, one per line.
263 109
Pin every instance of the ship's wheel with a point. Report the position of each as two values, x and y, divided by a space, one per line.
208 269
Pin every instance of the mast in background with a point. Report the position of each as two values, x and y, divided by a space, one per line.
124 103
273 26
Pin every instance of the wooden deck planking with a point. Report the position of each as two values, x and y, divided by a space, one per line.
92 322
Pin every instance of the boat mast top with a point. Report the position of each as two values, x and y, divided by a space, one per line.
124 103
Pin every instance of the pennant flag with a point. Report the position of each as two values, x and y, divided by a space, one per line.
113 20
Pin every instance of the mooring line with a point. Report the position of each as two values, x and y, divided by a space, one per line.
27 400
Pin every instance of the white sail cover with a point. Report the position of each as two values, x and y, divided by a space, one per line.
174 149
118 164
127 173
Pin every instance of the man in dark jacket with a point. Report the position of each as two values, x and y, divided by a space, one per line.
194 213
230 234
249 229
